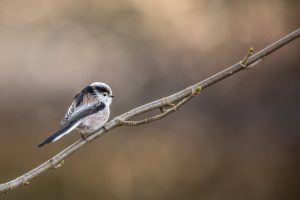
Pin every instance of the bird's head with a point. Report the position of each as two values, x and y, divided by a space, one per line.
103 91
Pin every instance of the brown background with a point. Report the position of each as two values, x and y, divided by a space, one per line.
238 140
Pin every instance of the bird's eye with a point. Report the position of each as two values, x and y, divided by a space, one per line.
104 94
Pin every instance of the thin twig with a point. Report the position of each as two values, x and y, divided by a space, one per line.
243 63
164 113
160 103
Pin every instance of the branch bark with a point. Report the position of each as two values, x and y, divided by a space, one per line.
171 102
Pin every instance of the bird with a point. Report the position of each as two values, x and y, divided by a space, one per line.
88 112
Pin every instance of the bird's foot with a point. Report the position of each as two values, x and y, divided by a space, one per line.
83 136
104 128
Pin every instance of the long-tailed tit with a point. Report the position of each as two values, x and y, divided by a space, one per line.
88 112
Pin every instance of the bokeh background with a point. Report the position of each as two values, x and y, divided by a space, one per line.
240 139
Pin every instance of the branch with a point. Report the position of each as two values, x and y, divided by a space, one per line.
171 103
174 107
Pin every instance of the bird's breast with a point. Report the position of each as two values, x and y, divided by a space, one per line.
94 122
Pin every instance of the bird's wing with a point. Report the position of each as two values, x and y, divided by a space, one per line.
77 101
77 104
84 111
68 113
73 121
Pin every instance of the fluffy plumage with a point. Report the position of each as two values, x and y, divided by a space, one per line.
88 112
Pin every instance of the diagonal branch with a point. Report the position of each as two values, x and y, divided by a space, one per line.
174 107
182 97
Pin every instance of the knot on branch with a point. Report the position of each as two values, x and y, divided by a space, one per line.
196 90
58 165
166 107
26 183
124 122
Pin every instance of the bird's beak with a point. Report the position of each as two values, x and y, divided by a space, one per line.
112 96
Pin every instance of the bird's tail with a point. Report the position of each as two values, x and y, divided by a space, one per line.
60 133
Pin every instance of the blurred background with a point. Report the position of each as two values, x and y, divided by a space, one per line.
239 139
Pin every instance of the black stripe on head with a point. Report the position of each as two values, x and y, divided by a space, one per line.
86 90
89 90
101 89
